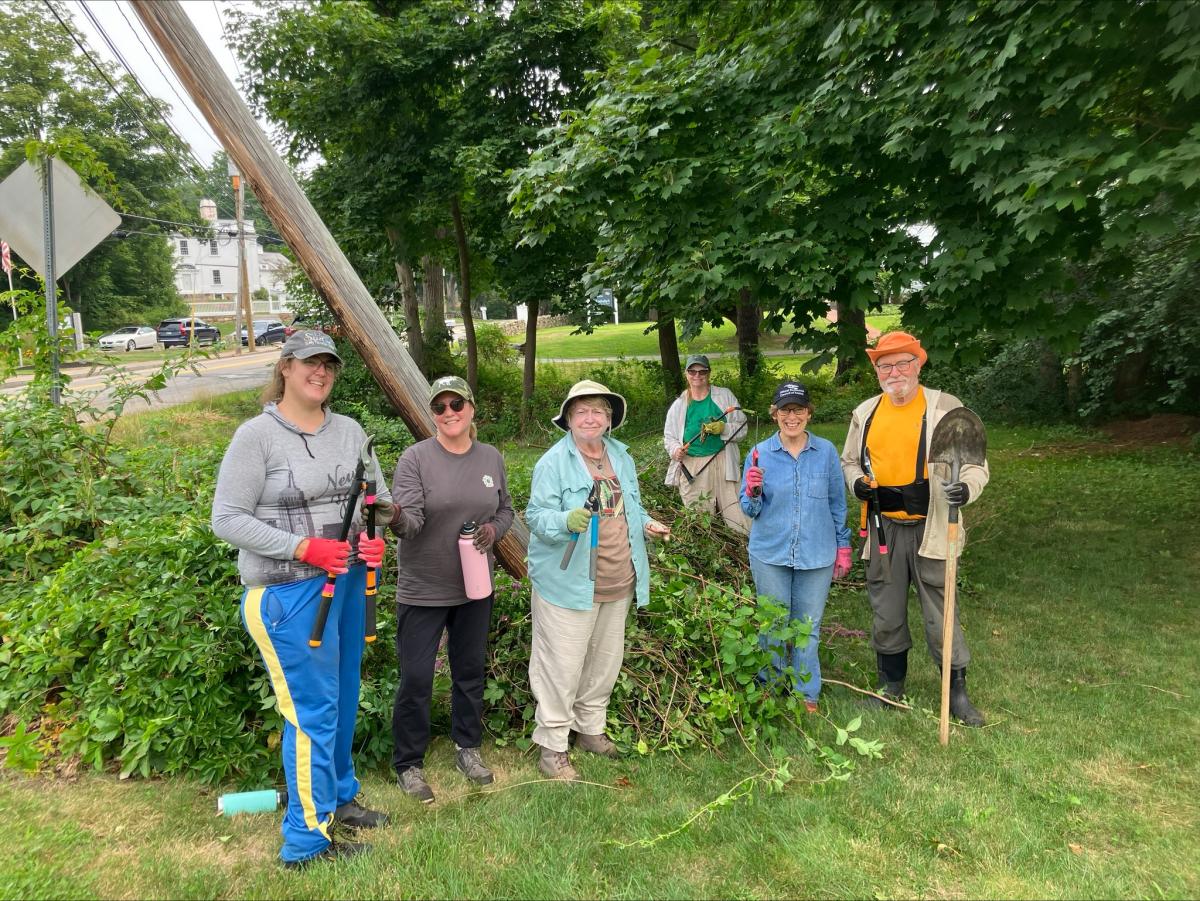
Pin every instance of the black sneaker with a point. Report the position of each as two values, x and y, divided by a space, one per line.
412 781
333 852
353 815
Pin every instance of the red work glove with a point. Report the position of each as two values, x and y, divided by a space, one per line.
841 566
485 537
327 554
370 550
754 481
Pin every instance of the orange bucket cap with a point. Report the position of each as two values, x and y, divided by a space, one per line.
897 343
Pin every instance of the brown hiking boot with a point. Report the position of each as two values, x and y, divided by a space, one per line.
595 744
556 765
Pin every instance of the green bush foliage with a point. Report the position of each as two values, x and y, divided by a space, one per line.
122 645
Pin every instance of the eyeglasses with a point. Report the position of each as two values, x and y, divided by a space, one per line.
899 366
439 407
697 372
315 363
791 412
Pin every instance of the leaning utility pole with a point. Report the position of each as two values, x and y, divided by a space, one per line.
295 219
239 194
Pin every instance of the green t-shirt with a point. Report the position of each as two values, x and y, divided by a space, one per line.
697 412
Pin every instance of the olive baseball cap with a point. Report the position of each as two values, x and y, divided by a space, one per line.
697 360
454 385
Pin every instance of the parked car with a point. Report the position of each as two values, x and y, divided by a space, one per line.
181 332
129 337
301 322
266 331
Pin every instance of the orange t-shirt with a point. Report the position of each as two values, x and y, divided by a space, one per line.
892 441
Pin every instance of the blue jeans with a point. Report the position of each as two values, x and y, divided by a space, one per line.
802 592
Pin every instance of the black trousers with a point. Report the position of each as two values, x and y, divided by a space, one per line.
418 631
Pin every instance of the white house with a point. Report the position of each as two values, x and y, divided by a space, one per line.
206 269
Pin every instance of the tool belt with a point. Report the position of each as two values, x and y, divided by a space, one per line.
912 498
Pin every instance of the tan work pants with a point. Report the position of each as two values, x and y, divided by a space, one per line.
573 666
712 492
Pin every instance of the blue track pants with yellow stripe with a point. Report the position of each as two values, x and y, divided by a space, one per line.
317 691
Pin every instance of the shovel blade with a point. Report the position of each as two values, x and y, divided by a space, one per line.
959 438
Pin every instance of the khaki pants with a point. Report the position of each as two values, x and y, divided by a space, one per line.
573 666
712 492
889 601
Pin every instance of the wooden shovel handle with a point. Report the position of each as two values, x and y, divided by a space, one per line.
951 585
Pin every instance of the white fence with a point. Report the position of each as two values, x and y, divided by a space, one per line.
216 309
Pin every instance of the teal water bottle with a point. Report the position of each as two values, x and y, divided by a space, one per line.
265 801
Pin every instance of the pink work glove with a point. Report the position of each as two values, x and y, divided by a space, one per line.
327 554
841 565
370 550
754 476
485 537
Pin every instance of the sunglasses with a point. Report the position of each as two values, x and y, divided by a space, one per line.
439 407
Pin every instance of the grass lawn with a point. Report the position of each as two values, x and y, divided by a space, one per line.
1078 598
627 339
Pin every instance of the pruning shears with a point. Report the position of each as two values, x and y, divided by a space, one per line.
700 434
872 509
367 463
592 504
357 486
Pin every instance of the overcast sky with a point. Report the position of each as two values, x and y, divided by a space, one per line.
126 32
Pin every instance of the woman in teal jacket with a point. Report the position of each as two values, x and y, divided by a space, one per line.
579 613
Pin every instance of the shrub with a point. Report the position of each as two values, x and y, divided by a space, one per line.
124 647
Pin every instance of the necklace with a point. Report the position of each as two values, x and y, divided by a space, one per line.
598 462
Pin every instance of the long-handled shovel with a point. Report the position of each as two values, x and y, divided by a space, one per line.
959 438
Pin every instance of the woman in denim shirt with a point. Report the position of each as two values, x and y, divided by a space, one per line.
799 541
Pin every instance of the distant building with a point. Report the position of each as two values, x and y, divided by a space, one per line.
206 269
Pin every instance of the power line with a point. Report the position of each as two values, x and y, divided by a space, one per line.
203 125
220 21
116 91
129 69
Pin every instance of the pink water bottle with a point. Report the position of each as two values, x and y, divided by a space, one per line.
477 575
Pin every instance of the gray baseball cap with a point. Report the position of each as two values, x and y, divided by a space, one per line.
309 343
697 360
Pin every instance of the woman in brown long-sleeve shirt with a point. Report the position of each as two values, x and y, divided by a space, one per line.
440 484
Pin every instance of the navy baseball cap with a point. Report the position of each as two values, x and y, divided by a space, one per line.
791 393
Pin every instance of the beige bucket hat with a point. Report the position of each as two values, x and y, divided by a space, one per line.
588 388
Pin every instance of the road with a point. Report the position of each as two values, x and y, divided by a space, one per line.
219 375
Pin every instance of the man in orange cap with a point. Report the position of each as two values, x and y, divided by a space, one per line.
888 443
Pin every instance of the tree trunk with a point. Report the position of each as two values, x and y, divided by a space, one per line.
464 298
530 351
852 338
408 297
668 353
748 318
433 301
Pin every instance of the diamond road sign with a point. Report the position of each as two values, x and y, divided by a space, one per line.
81 218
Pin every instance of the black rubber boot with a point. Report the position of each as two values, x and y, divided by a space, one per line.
893 670
961 707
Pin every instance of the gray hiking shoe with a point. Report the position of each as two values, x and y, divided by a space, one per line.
470 764
595 744
556 765
413 783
